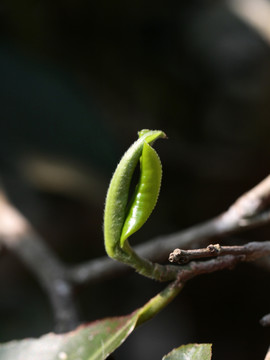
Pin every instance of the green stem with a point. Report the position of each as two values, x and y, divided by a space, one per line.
147 268
156 304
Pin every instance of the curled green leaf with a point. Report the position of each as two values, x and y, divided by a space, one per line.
121 220
146 193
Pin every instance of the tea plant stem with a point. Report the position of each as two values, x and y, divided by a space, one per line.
249 211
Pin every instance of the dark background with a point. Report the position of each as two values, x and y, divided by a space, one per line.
78 79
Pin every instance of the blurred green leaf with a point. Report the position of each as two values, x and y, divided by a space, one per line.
92 342
191 352
95 341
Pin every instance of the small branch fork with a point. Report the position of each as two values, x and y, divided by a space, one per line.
250 210
223 257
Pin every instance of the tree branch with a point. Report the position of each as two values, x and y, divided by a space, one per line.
249 211
17 235
227 257
251 251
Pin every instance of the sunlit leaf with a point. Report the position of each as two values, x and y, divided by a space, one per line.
191 352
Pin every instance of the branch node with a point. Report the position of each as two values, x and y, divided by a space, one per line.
214 249
177 256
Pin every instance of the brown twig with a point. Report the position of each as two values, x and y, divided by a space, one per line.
249 211
250 250
225 257
196 268
228 256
